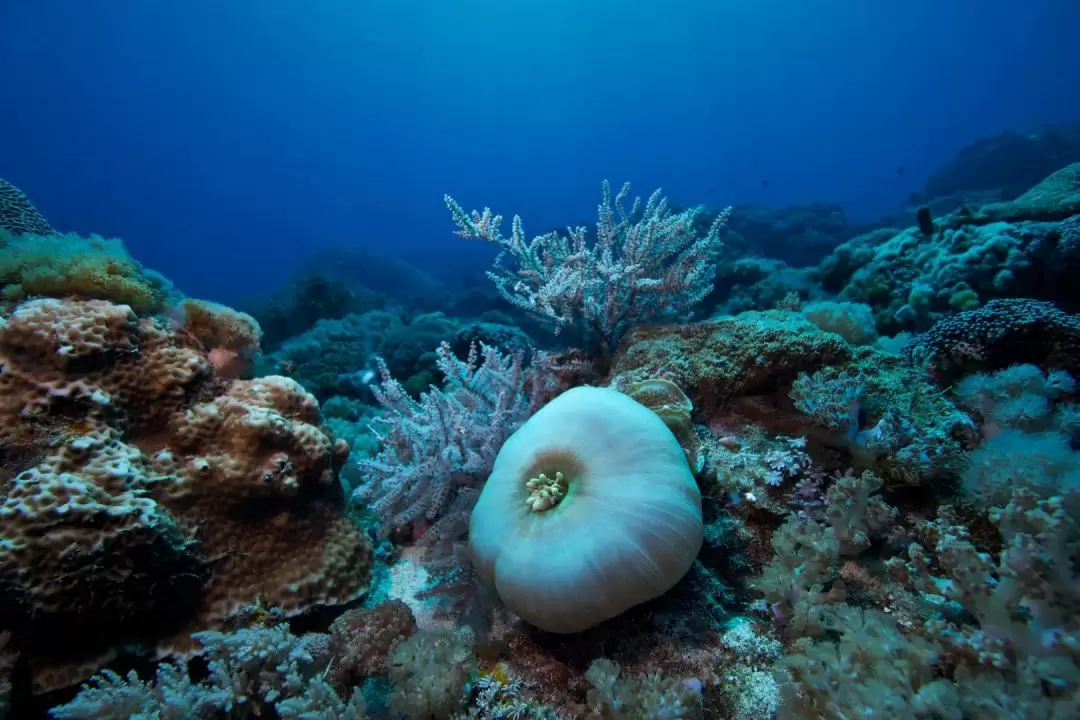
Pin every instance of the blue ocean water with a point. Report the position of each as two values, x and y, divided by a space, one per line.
224 141
341 375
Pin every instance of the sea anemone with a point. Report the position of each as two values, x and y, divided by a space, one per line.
590 509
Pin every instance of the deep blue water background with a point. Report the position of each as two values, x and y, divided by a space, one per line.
225 140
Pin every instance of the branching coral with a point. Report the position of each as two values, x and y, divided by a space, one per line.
260 672
646 263
447 438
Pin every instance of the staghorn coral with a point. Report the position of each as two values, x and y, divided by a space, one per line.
448 436
646 263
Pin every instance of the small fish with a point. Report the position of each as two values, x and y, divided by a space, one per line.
901 170
764 183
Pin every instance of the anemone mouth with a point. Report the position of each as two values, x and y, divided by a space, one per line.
550 479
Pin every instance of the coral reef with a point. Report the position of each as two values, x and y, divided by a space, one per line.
1005 332
18 216
264 672
61 266
798 235
792 508
1007 164
1025 247
313 294
256 483
646 263
142 499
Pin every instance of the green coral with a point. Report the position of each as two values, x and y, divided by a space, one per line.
964 298
62 266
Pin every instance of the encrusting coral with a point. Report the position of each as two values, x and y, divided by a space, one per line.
143 500
257 485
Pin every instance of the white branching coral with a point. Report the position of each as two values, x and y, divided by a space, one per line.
643 263
445 440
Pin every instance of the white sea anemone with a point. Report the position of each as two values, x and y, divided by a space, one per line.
590 509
